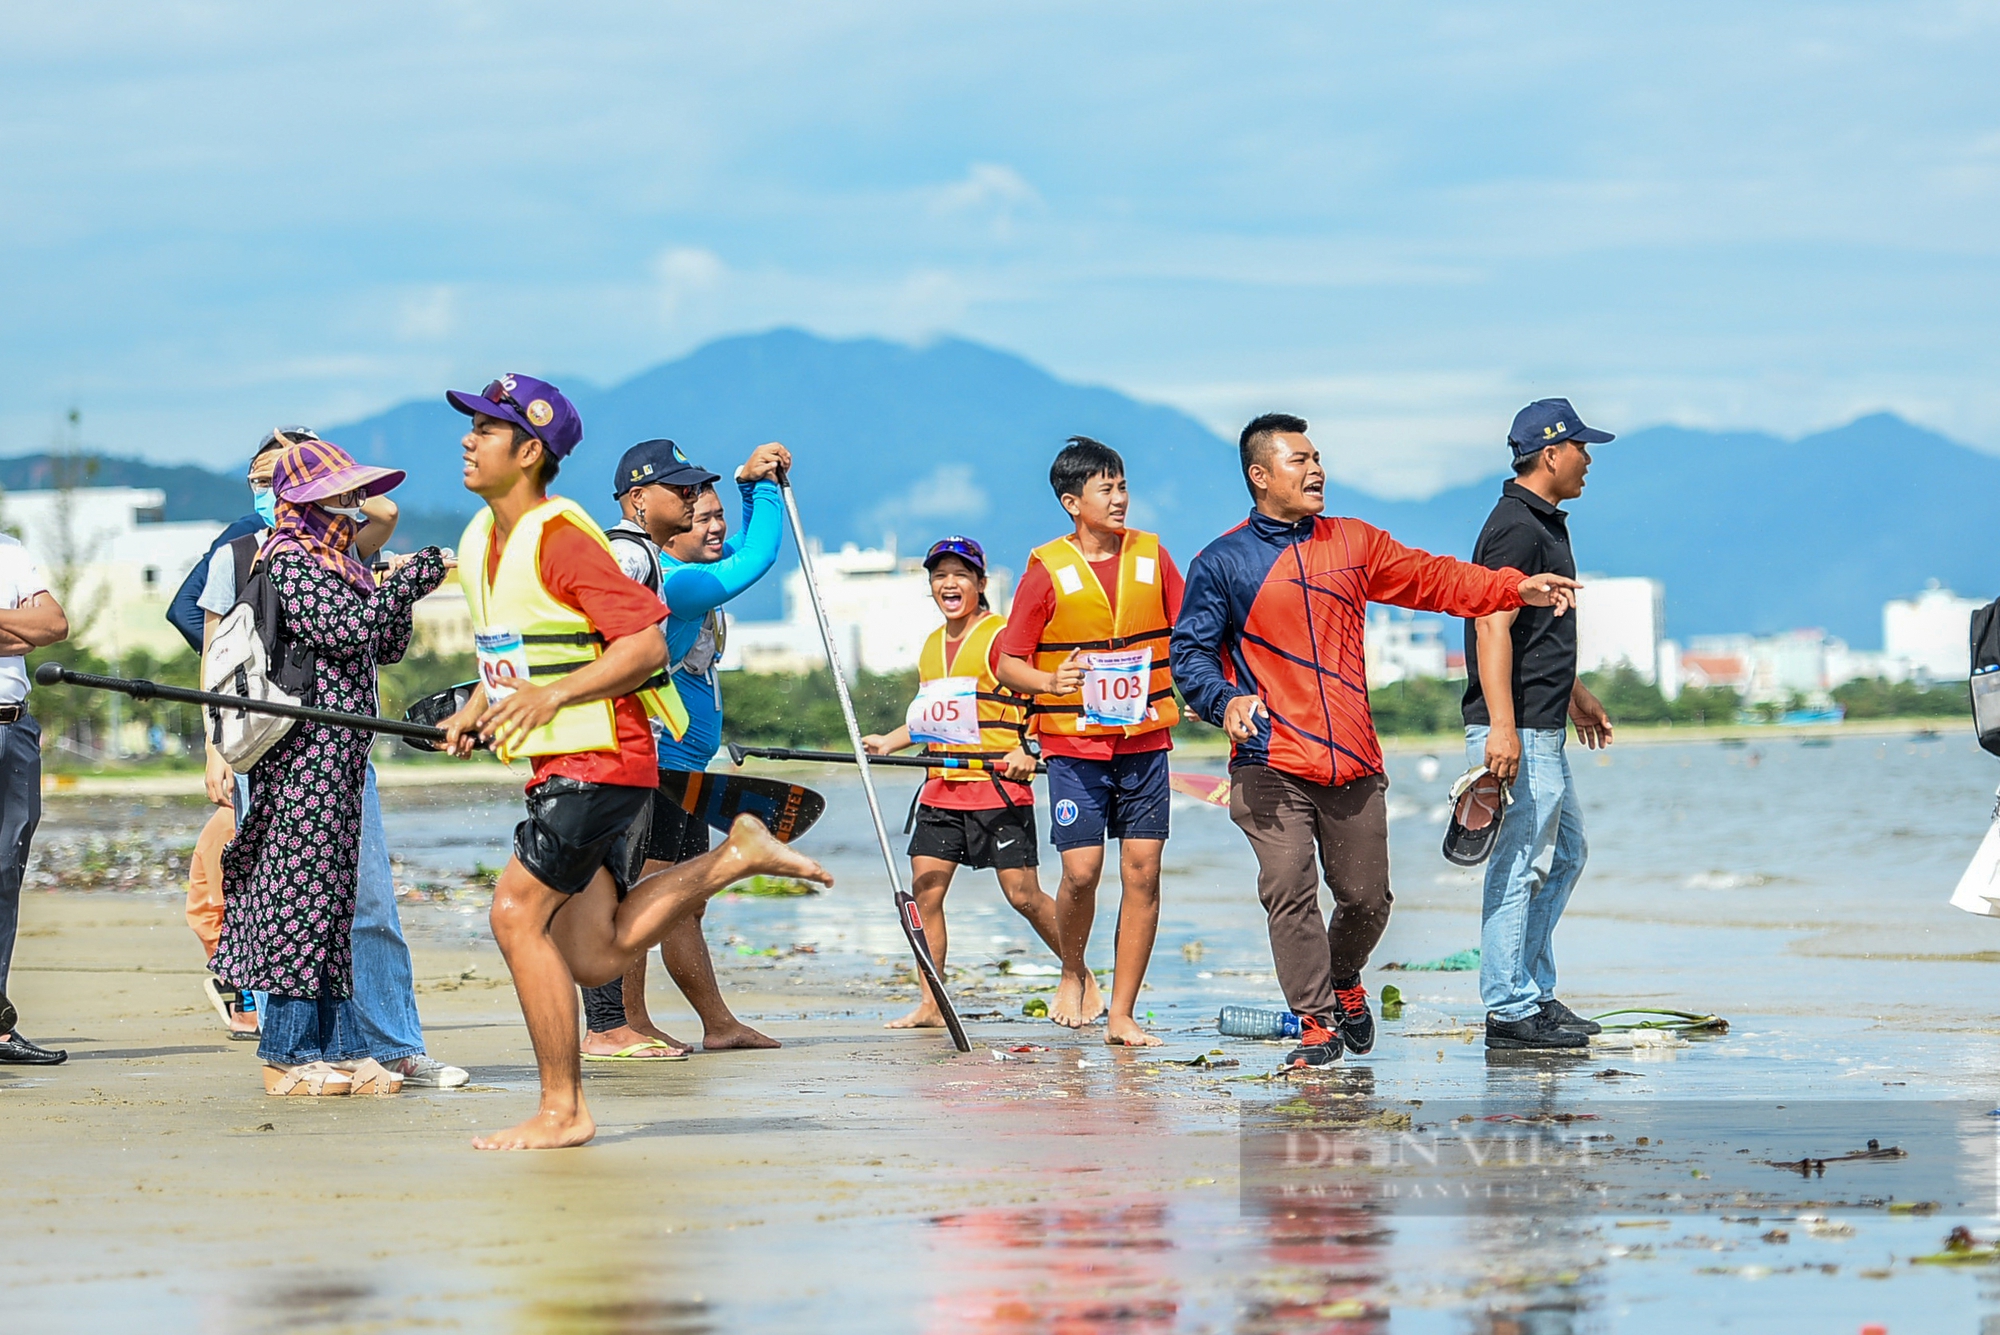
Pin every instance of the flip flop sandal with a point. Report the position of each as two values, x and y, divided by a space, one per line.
371 1077
1478 803
223 998
632 1054
310 1079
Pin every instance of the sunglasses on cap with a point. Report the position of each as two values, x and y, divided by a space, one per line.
965 549
283 437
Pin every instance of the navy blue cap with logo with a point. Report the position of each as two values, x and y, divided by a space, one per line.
536 406
1547 422
965 549
658 461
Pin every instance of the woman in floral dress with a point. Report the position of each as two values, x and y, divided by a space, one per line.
289 875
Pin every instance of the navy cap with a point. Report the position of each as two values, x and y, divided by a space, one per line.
536 406
1547 422
965 549
658 461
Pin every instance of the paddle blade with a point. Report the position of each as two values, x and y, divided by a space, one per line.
434 709
787 809
920 946
1210 788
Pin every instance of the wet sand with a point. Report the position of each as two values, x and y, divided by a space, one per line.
867 1180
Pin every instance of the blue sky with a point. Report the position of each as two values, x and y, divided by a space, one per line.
1402 221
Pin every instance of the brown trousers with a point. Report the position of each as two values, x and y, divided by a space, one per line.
1286 819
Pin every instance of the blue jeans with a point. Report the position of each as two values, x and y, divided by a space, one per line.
1536 859
380 1020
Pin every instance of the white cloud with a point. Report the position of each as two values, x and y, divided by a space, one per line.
994 195
685 273
950 494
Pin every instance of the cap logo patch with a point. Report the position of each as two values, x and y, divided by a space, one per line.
678 456
539 412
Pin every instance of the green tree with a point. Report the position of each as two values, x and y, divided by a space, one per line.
1876 698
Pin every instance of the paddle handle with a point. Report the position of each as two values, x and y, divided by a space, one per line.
55 674
738 753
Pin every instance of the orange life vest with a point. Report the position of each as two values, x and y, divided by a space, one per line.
1084 620
1002 714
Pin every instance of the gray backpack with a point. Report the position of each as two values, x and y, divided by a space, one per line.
246 657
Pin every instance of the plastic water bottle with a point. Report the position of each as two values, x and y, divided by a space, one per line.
1257 1022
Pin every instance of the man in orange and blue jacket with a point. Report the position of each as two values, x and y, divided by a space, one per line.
1269 644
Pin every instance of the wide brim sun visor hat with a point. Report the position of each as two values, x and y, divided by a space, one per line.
317 470
965 549
535 406
1477 798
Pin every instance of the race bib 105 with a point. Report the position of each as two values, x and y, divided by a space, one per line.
946 711
1114 687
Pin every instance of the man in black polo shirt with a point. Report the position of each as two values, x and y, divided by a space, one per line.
1520 689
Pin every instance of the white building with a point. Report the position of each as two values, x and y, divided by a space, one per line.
880 606
125 560
1620 622
1931 632
1400 645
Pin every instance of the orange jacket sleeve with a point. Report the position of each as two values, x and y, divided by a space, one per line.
1406 577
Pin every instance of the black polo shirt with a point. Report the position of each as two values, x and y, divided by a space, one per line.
1531 535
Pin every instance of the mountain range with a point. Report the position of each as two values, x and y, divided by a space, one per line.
1748 531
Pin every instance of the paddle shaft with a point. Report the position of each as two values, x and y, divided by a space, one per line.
737 753
141 689
906 906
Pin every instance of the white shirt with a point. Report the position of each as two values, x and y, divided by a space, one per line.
20 580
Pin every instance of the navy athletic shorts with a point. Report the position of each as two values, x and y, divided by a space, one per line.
1125 797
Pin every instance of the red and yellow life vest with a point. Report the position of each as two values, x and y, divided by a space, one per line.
1001 713
1083 620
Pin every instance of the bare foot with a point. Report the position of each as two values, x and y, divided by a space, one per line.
644 1025
737 1036
543 1131
239 1023
1076 1002
760 854
925 1016
1122 1031
615 1041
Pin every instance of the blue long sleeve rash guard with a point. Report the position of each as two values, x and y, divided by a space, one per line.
692 590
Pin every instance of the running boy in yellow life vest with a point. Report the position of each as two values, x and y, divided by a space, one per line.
969 817
1087 636
570 668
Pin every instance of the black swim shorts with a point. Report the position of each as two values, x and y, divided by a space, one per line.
573 828
1000 838
678 834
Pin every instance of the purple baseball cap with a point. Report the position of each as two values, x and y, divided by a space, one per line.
965 549
536 406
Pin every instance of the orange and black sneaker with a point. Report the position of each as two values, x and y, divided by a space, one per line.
1318 1046
1357 1026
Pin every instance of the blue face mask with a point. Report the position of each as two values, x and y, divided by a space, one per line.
265 502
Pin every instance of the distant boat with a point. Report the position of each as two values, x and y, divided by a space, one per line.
1795 718
1734 743
1815 741
1925 735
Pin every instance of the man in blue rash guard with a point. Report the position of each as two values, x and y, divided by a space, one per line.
673 539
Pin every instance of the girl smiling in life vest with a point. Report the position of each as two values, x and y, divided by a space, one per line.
968 817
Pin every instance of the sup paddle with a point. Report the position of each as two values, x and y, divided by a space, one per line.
907 913
55 674
787 809
740 753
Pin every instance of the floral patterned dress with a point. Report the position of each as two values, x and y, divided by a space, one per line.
289 875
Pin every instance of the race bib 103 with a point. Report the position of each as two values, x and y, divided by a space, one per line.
946 712
503 662
1114 687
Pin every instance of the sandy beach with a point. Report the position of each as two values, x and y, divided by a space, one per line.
860 1179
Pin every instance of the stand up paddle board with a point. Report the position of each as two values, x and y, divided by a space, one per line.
1210 788
788 810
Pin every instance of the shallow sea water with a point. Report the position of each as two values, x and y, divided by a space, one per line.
1798 890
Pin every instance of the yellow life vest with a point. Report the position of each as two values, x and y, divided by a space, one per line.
1083 620
555 637
1002 714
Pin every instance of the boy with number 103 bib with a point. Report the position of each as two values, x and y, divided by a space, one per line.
1087 636
972 817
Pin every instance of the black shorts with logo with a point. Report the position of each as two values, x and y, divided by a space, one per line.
678 834
999 838
574 827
